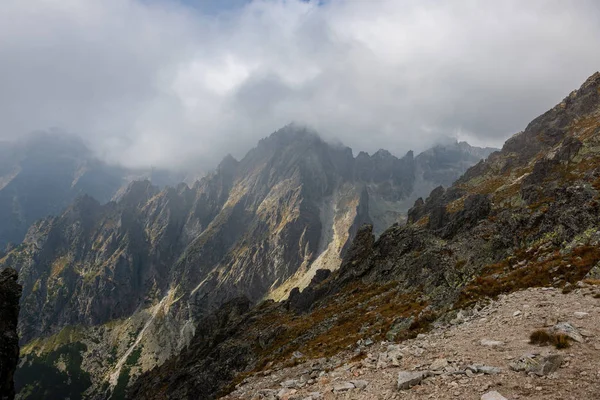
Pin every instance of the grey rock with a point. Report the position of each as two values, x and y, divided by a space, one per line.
408 379
567 329
343 387
359 384
438 364
290 383
491 343
536 365
484 369
493 395
581 314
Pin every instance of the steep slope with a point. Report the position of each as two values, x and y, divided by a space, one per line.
457 359
10 292
152 264
528 216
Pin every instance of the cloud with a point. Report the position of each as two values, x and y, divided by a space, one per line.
167 83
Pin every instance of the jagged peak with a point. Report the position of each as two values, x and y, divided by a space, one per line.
382 153
593 80
228 164
291 133
138 191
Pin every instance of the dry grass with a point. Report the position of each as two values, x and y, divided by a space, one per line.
555 269
541 337
358 311
456 205
561 341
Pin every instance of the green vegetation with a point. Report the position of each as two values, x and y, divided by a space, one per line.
54 375
121 387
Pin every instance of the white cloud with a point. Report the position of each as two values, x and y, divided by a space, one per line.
157 82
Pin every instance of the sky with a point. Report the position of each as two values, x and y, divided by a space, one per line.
172 83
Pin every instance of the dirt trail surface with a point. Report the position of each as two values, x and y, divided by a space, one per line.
475 356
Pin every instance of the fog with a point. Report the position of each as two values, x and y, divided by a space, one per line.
169 84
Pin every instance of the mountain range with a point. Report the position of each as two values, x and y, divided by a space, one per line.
152 263
298 254
525 217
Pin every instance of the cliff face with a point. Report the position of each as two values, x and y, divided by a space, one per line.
526 217
152 264
10 292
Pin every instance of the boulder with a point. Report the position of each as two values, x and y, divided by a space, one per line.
567 329
539 366
493 395
408 379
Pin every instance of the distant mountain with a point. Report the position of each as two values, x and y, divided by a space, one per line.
41 174
150 265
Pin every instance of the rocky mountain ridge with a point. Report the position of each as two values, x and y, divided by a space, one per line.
151 265
526 217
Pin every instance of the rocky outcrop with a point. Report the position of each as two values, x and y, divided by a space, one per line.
10 292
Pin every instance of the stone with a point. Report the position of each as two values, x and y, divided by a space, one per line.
291 383
566 328
359 384
438 364
493 395
551 364
343 387
484 369
544 366
408 379
401 324
516 313
491 343
581 314
284 394
314 396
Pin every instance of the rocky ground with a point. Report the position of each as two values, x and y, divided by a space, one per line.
480 354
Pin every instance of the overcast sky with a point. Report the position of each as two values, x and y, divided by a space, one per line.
165 83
